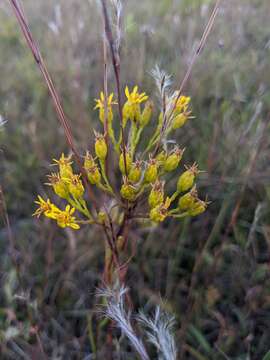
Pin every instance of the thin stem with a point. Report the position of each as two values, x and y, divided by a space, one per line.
116 67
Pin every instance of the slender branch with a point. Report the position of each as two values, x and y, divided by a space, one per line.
116 67
105 88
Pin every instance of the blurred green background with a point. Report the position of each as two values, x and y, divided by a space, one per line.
224 303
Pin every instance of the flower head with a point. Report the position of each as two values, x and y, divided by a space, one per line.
134 97
75 186
182 103
131 108
100 104
160 212
59 185
64 164
65 219
46 208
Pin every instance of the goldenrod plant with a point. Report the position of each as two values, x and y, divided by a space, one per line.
141 169
131 173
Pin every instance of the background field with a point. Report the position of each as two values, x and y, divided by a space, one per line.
211 272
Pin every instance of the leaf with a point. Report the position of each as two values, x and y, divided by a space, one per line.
267 356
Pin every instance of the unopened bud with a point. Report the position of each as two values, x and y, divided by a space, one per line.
135 172
156 194
101 147
151 171
186 180
173 160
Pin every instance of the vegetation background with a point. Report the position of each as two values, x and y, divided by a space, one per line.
213 272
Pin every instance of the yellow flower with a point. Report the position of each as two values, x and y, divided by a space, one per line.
46 208
65 219
75 186
64 164
59 185
100 104
181 104
131 108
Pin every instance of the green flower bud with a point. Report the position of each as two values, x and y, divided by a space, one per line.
151 172
128 191
186 180
94 175
101 147
135 172
156 195
160 212
59 185
188 200
89 162
161 158
179 121
75 186
102 217
198 208
173 160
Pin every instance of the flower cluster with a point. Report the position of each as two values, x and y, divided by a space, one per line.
143 165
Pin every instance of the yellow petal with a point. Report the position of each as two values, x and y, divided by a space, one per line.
127 92
74 226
